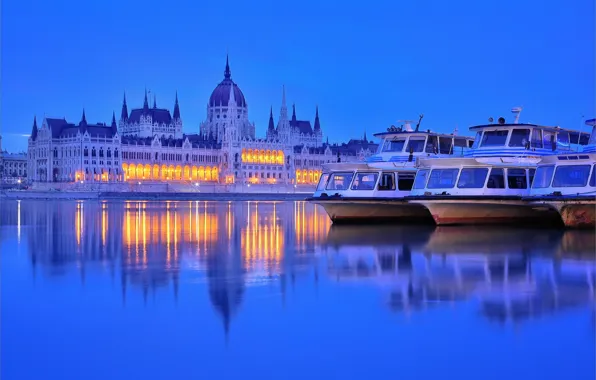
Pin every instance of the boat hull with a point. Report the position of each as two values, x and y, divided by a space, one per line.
374 210
575 212
449 211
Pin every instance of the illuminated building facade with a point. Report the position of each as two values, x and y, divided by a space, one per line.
148 145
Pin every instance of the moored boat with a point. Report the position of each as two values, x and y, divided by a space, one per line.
489 184
374 191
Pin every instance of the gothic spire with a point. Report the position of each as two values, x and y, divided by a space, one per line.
154 101
271 125
365 139
114 126
145 102
176 108
124 113
294 112
317 123
227 72
34 129
83 118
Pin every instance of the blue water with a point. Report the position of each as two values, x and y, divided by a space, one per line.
264 290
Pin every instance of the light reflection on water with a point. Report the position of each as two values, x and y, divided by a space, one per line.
214 288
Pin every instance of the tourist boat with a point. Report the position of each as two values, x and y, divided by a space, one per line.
374 190
488 184
567 183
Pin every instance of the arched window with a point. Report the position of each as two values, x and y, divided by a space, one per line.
86 152
109 153
93 152
116 153
100 152
237 157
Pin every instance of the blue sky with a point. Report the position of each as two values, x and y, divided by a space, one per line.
365 64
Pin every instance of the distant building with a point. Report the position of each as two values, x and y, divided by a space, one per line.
13 166
148 144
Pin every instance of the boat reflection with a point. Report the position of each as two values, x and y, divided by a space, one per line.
513 274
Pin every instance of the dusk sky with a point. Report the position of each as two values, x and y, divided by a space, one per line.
366 65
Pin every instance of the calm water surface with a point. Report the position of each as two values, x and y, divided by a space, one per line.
271 290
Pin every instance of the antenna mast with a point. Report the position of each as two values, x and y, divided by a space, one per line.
516 111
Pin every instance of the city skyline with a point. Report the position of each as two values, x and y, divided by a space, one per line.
350 68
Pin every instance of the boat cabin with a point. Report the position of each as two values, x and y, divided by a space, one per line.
362 180
571 174
473 177
507 140
405 146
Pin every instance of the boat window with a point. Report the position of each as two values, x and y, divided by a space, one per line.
405 181
323 181
516 179
536 141
421 177
442 178
432 145
472 178
494 138
543 178
563 139
477 140
387 182
445 145
592 140
531 173
548 139
461 142
496 180
416 144
593 177
395 144
339 181
365 181
571 176
519 137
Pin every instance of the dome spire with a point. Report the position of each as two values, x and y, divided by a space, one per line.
227 72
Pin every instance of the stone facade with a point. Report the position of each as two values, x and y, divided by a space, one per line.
148 144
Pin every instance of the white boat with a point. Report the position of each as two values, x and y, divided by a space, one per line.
374 190
489 184
567 183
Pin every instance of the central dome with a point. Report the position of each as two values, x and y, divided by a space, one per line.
221 95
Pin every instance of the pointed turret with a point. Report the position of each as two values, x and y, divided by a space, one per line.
154 101
83 119
34 129
364 138
294 112
176 115
145 102
227 72
124 113
271 127
283 114
317 123
114 126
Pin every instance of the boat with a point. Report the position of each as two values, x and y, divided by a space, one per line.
488 184
373 190
567 183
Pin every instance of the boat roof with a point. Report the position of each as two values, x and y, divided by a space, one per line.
375 166
478 161
418 133
543 127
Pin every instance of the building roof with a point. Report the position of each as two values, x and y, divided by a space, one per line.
221 94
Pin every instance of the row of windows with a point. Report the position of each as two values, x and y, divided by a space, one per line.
169 157
474 178
367 181
565 176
